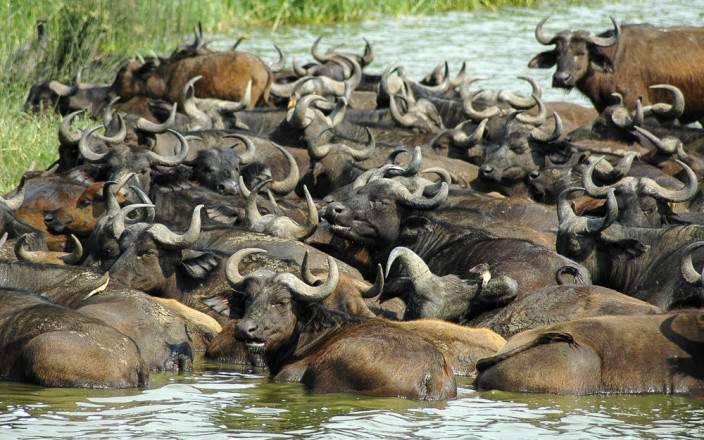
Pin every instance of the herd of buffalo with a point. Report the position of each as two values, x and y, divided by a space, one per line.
368 233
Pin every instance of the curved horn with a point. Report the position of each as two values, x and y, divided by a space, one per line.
619 171
413 166
285 186
252 215
286 90
86 152
320 151
279 65
461 140
110 190
588 181
298 116
320 57
306 293
21 252
143 198
667 111
119 137
539 135
417 270
250 152
165 236
3 239
540 35
461 76
404 120
689 273
68 135
151 127
538 119
305 231
668 146
61 89
376 173
378 286
298 69
565 213
521 102
170 161
75 256
606 41
232 270
118 222
14 202
652 188
199 120
306 274
403 195
588 224
468 105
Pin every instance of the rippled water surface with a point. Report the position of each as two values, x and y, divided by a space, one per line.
215 402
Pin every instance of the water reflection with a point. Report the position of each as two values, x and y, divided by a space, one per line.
219 403
497 44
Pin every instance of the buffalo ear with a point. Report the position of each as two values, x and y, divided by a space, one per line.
219 303
600 62
198 264
632 247
544 60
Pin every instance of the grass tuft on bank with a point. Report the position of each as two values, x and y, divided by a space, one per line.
104 33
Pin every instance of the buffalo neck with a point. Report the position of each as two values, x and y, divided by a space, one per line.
316 325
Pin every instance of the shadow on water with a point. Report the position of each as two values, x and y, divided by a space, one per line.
218 402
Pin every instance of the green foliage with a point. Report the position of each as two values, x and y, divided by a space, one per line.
100 34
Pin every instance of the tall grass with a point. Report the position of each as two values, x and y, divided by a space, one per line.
100 34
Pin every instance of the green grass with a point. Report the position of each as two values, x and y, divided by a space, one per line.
109 31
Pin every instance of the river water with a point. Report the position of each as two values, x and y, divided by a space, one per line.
217 402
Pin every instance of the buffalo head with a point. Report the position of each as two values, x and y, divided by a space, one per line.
273 302
576 54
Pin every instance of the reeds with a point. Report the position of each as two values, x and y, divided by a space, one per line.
99 34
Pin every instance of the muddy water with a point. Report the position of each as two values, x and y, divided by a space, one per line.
217 402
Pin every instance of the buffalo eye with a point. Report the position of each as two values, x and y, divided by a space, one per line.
83 203
147 253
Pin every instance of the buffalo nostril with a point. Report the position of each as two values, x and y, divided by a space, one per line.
562 77
486 169
221 188
534 174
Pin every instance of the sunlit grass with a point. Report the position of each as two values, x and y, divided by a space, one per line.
99 34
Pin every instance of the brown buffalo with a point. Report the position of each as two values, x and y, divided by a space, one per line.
628 60
608 354
554 304
51 345
302 341
225 76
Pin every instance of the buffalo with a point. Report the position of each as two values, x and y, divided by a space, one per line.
627 60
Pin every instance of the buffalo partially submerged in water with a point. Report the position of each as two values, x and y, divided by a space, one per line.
609 354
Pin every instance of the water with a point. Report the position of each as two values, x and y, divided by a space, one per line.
496 44
215 402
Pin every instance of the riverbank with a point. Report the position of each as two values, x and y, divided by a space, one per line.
108 32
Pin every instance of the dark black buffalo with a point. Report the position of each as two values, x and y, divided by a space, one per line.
380 216
304 342
651 264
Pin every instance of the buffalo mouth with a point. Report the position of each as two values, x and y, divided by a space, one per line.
360 230
255 346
